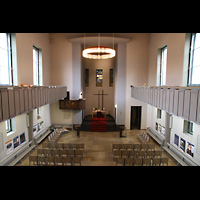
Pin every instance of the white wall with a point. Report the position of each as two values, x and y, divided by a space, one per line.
45 118
25 42
152 117
136 73
59 116
91 99
175 56
177 128
20 126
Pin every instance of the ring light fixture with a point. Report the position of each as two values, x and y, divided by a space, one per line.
98 52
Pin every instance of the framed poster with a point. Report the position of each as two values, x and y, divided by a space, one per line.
159 128
16 142
176 139
190 149
9 146
182 144
22 138
163 130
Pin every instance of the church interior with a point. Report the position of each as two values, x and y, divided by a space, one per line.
99 99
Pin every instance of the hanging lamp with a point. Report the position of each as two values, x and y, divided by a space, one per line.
98 52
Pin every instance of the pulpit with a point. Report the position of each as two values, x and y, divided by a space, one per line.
78 104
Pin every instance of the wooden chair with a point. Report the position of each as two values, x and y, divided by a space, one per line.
80 146
129 147
41 152
146 162
56 152
58 161
128 161
41 161
66 146
137 162
133 154
67 161
136 147
74 146
149 154
76 161
63 152
116 154
141 154
48 152
124 154
71 153
151 147
115 147
60 145
119 161
79 153
163 161
157 154
143 147
50 161
156 162
33 160
122 147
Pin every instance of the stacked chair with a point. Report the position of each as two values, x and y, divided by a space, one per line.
58 154
143 138
53 137
138 155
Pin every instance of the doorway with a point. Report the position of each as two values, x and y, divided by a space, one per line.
135 122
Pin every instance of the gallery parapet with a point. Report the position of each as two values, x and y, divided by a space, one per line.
16 100
178 100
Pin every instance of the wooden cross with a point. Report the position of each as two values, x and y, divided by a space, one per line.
99 98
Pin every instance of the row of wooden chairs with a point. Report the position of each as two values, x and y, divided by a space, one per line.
142 162
54 145
136 154
54 161
143 138
60 153
136 147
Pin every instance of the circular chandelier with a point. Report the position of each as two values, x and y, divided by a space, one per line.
98 52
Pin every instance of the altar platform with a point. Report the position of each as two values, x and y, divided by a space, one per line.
110 123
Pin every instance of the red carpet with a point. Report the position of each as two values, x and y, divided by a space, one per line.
98 124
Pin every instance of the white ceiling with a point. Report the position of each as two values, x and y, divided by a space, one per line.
76 35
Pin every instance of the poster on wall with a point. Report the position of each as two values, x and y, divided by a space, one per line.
182 144
22 138
198 144
34 130
190 149
163 130
9 146
16 142
41 125
159 128
176 139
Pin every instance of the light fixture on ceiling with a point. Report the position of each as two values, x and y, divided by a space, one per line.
99 52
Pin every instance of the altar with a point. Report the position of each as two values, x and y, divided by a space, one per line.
95 112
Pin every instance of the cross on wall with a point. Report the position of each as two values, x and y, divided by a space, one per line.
102 94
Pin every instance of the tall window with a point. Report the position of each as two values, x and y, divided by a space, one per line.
6 75
194 60
37 66
163 66
8 125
